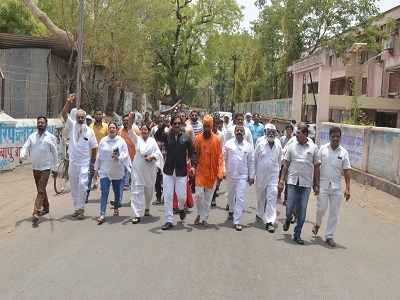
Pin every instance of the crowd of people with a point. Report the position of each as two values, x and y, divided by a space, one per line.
184 158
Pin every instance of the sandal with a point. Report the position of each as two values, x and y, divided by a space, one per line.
315 230
116 212
135 220
100 220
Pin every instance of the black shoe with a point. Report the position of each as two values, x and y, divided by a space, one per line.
43 212
35 221
167 226
331 242
258 219
230 216
182 214
238 227
270 227
147 212
298 241
286 225
213 203
227 207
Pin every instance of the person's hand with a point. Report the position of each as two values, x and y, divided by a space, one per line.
281 186
347 194
251 181
316 189
71 98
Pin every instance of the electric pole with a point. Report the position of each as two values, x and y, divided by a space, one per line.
235 58
80 52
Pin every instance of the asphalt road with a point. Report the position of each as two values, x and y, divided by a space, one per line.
69 259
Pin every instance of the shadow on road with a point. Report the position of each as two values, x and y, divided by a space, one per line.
178 227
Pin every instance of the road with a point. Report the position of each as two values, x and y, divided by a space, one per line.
69 259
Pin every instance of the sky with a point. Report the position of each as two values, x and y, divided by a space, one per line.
251 11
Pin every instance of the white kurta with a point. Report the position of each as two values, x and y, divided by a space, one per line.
230 134
267 161
144 173
239 167
106 165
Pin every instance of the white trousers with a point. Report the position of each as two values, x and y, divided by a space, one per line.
333 199
236 191
203 201
140 199
78 178
266 203
173 184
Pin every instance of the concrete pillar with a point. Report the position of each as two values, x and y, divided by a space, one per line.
297 94
324 87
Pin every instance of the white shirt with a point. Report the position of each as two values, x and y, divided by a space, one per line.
267 162
81 141
43 150
114 169
333 162
230 134
239 159
301 160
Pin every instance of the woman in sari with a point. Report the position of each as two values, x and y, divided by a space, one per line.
144 172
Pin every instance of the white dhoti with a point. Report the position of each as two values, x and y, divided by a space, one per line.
141 199
236 192
203 201
78 178
171 184
332 198
266 203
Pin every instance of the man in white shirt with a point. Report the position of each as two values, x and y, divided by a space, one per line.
239 121
239 165
248 119
268 156
301 165
287 136
334 160
42 147
82 148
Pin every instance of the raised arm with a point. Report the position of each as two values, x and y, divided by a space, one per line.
67 106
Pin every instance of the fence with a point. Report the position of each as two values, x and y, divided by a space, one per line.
278 108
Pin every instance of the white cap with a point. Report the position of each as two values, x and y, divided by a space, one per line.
270 126
89 117
248 114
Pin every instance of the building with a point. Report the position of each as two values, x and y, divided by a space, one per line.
35 75
325 87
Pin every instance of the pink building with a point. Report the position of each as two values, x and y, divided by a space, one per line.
325 86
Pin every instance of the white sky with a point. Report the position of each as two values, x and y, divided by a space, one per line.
251 11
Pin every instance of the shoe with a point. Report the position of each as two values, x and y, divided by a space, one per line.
213 203
230 216
286 225
81 215
167 226
100 220
75 214
238 227
204 223
227 207
298 241
182 214
315 230
197 220
135 220
270 227
35 220
43 212
147 212
331 242
258 219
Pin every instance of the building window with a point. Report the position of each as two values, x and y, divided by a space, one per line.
364 86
